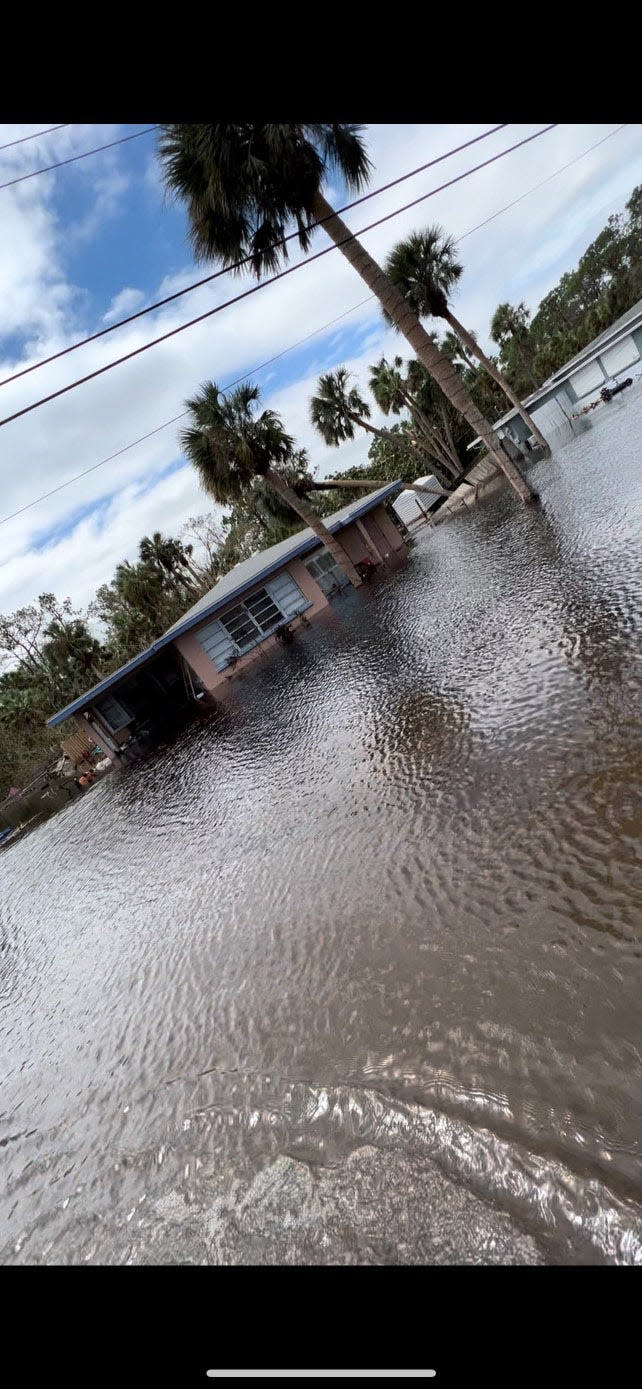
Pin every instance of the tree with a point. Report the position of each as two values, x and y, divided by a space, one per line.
50 656
70 646
141 602
243 185
171 558
434 404
337 408
230 445
424 270
455 349
509 329
394 393
206 532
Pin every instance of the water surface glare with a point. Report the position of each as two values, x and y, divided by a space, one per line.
350 972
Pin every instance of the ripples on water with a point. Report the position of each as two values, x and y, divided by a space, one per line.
351 971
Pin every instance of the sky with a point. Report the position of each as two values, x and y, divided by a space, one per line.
93 241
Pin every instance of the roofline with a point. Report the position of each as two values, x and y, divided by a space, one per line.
574 364
189 623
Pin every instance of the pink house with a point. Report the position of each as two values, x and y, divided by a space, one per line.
247 611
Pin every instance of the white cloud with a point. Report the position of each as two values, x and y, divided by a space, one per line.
519 255
124 303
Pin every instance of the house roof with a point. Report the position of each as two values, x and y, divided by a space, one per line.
619 329
237 581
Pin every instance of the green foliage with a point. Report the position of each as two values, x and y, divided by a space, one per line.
605 283
50 657
337 408
229 443
424 269
245 185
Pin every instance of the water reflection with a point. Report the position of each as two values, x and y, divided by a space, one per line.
349 970
595 617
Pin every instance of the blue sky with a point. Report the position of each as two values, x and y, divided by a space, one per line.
98 239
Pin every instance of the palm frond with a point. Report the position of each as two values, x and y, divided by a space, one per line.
245 186
424 270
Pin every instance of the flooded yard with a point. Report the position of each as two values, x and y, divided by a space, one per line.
351 971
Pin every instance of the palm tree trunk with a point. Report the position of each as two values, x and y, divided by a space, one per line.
499 377
380 434
385 434
315 523
449 434
436 363
438 446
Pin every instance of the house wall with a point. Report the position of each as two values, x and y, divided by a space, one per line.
564 400
78 742
92 725
385 523
359 546
375 534
206 670
601 364
354 544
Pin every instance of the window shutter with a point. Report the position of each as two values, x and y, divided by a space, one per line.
617 358
216 643
287 594
588 379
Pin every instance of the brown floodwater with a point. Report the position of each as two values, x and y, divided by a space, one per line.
350 971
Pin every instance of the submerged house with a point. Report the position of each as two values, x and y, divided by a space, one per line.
239 617
557 404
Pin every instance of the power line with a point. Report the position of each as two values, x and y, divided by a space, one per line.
238 265
75 157
369 299
561 170
166 423
10 144
254 289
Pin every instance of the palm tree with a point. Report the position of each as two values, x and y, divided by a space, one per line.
455 349
393 394
230 446
337 407
423 268
170 558
432 402
510 324
245 184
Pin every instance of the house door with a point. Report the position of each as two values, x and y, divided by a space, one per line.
377 537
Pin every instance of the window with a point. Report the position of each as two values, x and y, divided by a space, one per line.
325 570
321 563
589 378
113 713
244 625
619 357
246 622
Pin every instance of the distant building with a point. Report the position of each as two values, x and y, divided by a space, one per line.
614 352
241 616
416 506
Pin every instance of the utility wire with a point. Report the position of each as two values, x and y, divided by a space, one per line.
75 157
301 341
10 144
238 265
254 289
166 423
561 170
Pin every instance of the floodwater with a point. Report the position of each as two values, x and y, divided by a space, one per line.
351 971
